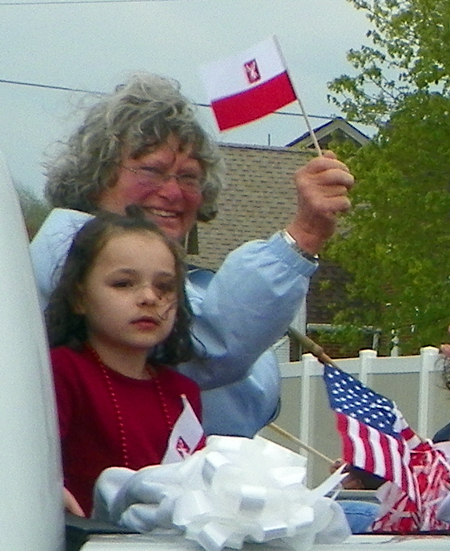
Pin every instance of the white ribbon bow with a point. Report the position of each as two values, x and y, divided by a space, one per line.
233 490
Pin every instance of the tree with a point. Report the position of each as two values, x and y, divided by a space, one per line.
410 54
396 240
34 210
396 243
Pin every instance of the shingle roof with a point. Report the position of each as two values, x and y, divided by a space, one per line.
337 128
259 199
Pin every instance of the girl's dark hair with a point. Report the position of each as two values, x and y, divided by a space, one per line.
65 327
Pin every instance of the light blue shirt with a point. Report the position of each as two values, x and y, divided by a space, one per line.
239 313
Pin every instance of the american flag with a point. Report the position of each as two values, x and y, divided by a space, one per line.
376 437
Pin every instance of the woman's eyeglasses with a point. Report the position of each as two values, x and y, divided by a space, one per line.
155 178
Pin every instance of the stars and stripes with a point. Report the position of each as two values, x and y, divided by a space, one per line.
376 437
371 429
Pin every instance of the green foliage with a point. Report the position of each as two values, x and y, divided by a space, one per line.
396 240
344 339
34 210
409 53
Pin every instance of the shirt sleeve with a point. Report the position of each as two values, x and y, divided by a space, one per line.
245 407
244 308
50 246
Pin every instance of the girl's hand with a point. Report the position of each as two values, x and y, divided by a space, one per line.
71 504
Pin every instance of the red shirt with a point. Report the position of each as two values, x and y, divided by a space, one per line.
105 417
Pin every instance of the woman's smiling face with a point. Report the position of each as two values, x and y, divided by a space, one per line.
171 205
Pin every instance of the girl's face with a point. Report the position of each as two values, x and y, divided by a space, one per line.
165 183
129 298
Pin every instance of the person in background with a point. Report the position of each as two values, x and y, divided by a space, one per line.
118 322
142 145
443 434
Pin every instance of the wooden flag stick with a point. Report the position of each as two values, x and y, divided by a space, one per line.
308 124
297 441
310 346
302 109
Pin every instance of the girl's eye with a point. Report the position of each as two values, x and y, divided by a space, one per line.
121 284
167 287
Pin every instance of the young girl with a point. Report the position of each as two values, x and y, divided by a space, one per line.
116 320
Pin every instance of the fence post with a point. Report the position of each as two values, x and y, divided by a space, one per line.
310 366
428 357
365 363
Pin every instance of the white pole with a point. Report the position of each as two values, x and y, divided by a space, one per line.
31 512
297 95
366 358
428 357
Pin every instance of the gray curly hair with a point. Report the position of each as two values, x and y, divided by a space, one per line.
137 118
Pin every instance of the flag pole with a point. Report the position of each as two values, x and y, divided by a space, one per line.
304 113
318 352
310 346
297 441
310 130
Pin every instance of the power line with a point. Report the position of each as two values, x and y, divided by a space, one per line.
48 86
69 89
288 113
55 2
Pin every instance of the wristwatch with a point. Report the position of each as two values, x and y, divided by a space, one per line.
294 245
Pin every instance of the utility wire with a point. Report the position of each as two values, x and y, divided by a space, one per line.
55 2
48 86
69 89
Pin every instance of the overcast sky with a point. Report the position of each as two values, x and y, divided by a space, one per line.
95 45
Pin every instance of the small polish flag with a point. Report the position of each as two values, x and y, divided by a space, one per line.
183 448
186 437
249 85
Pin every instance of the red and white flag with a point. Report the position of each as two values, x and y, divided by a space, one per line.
186 437
249 85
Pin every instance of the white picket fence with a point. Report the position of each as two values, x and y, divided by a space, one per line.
414 382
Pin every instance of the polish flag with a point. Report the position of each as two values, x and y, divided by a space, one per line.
249 85
186 437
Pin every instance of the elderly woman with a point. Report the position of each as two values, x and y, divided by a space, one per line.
142 145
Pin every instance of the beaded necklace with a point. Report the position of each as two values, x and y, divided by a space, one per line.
109 385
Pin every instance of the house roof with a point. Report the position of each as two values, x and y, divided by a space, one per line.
338 128
259 199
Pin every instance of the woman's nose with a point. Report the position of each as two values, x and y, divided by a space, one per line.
170 189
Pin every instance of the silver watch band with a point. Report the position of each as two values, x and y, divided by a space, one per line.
294 245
